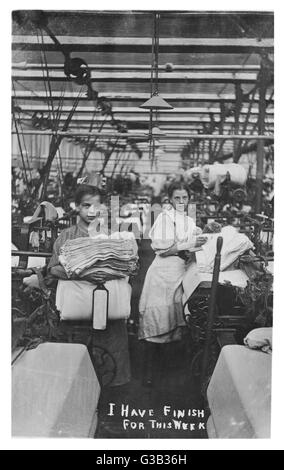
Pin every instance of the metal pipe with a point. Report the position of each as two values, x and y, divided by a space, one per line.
31 253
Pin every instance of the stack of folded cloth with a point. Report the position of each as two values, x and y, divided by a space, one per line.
234 245
104 259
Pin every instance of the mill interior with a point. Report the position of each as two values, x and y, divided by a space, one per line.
145 108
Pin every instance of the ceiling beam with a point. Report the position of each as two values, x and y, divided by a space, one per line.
143 45
175 135
169 128
132 96
161 119
136 110
145 68
142 77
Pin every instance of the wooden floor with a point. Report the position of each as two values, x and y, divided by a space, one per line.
171 386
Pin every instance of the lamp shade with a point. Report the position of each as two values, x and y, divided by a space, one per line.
156 102
156 131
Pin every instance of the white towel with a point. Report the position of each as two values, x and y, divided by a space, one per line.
234 245
260 338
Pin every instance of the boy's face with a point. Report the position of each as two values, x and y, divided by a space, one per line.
88 208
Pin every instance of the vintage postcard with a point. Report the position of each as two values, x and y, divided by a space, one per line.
142 195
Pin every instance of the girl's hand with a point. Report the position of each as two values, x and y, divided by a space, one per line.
58 272
200 240
197 231
31 281
170 252
197 242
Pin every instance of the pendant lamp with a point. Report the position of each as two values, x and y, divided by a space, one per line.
155 101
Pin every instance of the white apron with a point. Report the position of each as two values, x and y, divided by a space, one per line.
160 306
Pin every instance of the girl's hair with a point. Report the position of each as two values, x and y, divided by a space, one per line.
212 227
178 185
83 190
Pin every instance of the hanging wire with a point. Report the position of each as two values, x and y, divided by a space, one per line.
90 145
47 81
21 152
151 89
119 155
90 148
55 127
157 35
25 147
54 145
107 157
61 175
36 95
245 125
59 109
155 80
47 99
54 117
156 45
219 146
27 88
57 119
18 123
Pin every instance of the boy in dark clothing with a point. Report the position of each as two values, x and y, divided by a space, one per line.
114 339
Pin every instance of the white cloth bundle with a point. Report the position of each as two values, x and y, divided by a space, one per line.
74 300
210 174
234 245
260 338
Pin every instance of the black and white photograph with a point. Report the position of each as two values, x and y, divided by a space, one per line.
142 227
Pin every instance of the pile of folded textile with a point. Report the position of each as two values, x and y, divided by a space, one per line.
234 245
104 259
